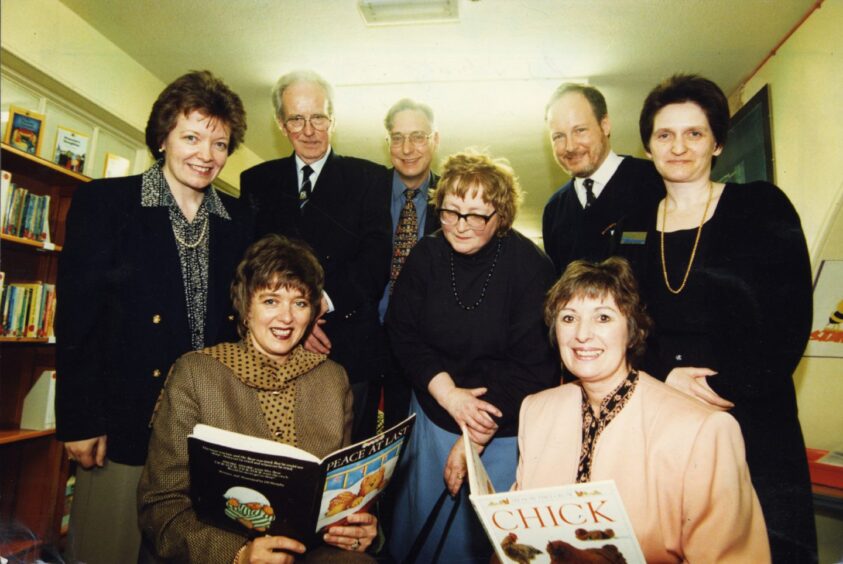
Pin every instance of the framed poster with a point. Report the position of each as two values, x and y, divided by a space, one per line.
827 330
71 149
24 130
748 154
115 166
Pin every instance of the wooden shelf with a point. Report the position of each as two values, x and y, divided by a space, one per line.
50 169
30 243
8 436
33 466
20 547
39 340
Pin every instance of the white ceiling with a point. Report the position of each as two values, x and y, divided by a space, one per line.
487 76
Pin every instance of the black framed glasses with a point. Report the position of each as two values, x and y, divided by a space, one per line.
475 221
417 138
319 122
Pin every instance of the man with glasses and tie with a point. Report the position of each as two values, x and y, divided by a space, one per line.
334 203
413 140
579 218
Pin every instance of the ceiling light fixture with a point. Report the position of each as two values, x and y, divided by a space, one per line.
402 12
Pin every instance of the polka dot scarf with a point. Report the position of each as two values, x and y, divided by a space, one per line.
275 382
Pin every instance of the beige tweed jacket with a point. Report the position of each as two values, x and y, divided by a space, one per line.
201 389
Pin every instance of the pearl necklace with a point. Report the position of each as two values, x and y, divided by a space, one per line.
693 250
485 283
198 240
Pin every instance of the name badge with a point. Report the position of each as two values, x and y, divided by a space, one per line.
633 237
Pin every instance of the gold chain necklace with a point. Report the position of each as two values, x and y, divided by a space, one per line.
693 250
198 240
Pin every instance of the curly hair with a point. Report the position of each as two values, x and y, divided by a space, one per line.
612 277
274 262
471 171
197 91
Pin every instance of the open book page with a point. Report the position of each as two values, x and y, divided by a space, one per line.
240 441
478 480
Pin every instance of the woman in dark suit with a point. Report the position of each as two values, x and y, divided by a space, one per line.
724 270
143 278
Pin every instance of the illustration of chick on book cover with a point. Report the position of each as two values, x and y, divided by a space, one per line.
571 523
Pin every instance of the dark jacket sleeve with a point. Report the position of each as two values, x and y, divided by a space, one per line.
363 274
419 360
548 219
782 285
85 263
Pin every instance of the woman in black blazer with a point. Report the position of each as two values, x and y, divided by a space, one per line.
143 278
725 274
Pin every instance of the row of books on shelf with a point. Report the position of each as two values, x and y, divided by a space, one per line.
28 309
22 213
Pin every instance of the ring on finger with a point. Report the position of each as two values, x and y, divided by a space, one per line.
355 545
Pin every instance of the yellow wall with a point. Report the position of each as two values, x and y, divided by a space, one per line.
63 46
806 89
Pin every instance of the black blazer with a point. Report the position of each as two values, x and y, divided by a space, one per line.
348 225
121 317
572 233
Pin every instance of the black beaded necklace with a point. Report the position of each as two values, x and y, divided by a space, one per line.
485 283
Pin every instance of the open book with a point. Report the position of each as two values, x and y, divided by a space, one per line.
571 523
257 486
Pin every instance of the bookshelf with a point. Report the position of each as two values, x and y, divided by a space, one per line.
34 469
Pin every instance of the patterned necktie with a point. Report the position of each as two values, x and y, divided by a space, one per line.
306 186
589 192
406 235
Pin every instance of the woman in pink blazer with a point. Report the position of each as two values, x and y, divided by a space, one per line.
678 464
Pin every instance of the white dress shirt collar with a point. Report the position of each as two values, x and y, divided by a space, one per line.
316 166
601 176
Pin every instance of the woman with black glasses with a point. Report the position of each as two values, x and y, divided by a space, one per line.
465 322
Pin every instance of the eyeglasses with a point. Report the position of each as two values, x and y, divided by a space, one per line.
417 138
319 122
475 221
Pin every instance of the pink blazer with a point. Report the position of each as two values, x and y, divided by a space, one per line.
679 466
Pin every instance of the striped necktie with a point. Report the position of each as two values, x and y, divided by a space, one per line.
306 186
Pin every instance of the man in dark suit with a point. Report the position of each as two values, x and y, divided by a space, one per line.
579 218
413 140
335 204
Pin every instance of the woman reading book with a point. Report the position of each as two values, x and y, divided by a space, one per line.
266 385
678 464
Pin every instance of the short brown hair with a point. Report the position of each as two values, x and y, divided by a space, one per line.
681 88
471 170
198 91
612 277
275 261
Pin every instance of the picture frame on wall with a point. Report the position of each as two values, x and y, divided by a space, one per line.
25 130
71 149
115 166
748 154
